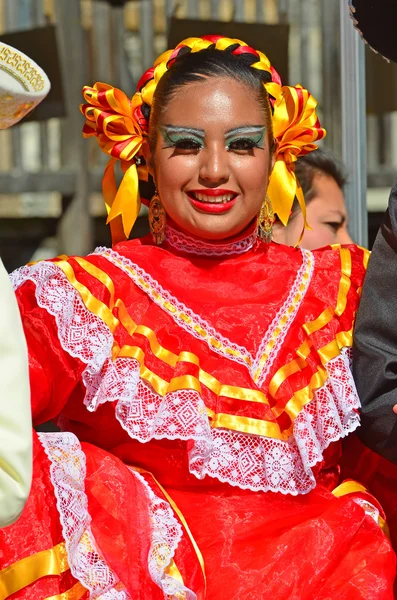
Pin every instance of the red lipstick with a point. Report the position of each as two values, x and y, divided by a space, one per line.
200 199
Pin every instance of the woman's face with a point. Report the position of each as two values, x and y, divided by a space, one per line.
326 215
211 164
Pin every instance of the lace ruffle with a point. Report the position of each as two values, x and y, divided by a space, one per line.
243 460
86 563
167 533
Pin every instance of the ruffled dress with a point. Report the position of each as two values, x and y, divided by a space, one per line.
202 392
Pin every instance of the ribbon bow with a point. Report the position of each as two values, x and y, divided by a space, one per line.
296 128
109 116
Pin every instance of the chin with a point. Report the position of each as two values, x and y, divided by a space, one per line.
214 232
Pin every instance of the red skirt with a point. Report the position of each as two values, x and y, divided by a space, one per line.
96 528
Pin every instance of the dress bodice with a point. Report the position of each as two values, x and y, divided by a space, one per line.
233 366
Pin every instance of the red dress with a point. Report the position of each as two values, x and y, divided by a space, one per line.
202 392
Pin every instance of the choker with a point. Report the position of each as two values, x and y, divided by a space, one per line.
183 242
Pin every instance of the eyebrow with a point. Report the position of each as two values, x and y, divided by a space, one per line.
182 129
201 132
338 213
245 129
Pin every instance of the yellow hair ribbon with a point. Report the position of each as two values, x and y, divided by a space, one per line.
296 128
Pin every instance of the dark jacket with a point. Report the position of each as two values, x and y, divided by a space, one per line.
375 341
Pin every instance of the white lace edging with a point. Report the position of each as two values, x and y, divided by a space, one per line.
185 243
167 302
166 536
82 334
68 471
248 461
294 300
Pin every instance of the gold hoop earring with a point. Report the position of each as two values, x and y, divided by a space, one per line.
265 221
157 219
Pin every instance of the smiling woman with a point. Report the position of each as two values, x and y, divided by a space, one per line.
201 375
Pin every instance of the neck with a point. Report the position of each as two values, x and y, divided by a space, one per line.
181 241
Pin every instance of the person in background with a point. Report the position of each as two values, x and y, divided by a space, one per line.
322 181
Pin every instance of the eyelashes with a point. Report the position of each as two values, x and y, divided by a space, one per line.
239 145
184 144
242 144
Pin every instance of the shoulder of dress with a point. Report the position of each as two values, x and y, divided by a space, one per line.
350 258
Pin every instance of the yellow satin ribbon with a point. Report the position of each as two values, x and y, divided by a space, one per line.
296 129
353 487
28 570
220 420
345 280
125 204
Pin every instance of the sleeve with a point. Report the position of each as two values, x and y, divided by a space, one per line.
54 372
375 341
15 415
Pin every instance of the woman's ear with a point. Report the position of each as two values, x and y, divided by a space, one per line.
148 156
279 233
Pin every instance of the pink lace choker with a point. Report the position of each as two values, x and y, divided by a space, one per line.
183 242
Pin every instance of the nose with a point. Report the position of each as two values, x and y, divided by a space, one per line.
214 166
344 237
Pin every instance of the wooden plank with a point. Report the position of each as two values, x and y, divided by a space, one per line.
75 230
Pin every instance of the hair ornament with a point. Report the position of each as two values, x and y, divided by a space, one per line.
109 117
296 128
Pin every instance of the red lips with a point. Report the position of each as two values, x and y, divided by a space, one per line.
212 207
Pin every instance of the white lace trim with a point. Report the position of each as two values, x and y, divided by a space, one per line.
247 461
174 307
243 460
275 335
82 334
258 366
166 536
182 242
68 473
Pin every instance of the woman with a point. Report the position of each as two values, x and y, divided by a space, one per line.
322 182
208 367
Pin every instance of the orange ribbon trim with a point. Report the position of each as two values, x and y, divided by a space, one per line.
109 117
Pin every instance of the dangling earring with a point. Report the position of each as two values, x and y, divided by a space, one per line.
265 221
157 218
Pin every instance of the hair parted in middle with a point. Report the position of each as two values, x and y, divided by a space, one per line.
121 124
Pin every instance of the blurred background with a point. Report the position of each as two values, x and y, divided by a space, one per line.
50 178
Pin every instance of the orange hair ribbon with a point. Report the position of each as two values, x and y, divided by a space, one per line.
109 117
296 128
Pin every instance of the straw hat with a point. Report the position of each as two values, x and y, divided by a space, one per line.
23 85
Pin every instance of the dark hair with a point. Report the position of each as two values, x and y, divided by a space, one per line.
317 162
192 67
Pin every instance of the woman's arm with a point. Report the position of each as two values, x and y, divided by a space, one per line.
375 339
15 414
